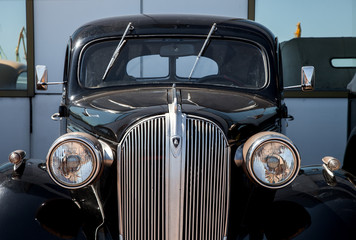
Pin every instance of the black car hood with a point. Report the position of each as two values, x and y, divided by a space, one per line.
110 113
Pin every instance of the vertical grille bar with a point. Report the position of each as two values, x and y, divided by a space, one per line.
206 183
142 159
141 185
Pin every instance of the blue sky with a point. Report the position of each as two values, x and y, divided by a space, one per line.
318 18
12 19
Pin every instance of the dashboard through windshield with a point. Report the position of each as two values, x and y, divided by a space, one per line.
223 62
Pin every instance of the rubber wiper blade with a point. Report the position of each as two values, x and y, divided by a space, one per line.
212 29
117 50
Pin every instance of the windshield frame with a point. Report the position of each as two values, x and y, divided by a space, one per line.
260 47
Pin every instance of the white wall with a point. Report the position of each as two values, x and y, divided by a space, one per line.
231 8
44 129
54 22
15 126
319 127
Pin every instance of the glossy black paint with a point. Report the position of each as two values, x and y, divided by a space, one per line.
108 114
308 208
21 195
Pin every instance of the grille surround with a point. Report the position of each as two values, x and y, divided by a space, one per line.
167 165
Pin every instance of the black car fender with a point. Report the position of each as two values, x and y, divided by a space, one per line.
314 206
23 193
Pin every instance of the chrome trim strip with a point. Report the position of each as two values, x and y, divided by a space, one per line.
176 122
101 210
119 190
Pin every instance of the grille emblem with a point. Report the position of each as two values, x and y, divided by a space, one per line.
176 141
176 145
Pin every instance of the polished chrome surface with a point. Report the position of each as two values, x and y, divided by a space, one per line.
117 50
17 158
173 178
141 181
212 29
268 146
41 77
331 163
175 165
100 152
239 158
56 117
308 78
207 177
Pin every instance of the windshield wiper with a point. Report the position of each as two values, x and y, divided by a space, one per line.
213 28
117 50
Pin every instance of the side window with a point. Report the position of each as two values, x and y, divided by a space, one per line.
16 41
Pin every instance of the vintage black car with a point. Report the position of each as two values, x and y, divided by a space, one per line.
173 129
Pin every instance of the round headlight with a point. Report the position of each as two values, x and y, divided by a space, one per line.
74 160
271 159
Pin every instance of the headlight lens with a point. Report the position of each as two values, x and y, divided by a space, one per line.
271 159
74 160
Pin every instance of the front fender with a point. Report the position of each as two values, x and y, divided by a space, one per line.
21 195
329 205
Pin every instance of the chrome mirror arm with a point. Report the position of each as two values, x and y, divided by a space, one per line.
292 87
50 83
42 78
307 79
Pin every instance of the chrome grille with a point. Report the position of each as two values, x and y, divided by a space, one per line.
141 183
206 181
143 180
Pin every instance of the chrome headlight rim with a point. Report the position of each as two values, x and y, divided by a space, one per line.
258 141
87 140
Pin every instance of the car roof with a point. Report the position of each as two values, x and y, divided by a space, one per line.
170 24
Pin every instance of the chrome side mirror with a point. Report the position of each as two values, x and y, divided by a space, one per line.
307 79
41 77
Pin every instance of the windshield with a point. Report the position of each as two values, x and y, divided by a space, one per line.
171 60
